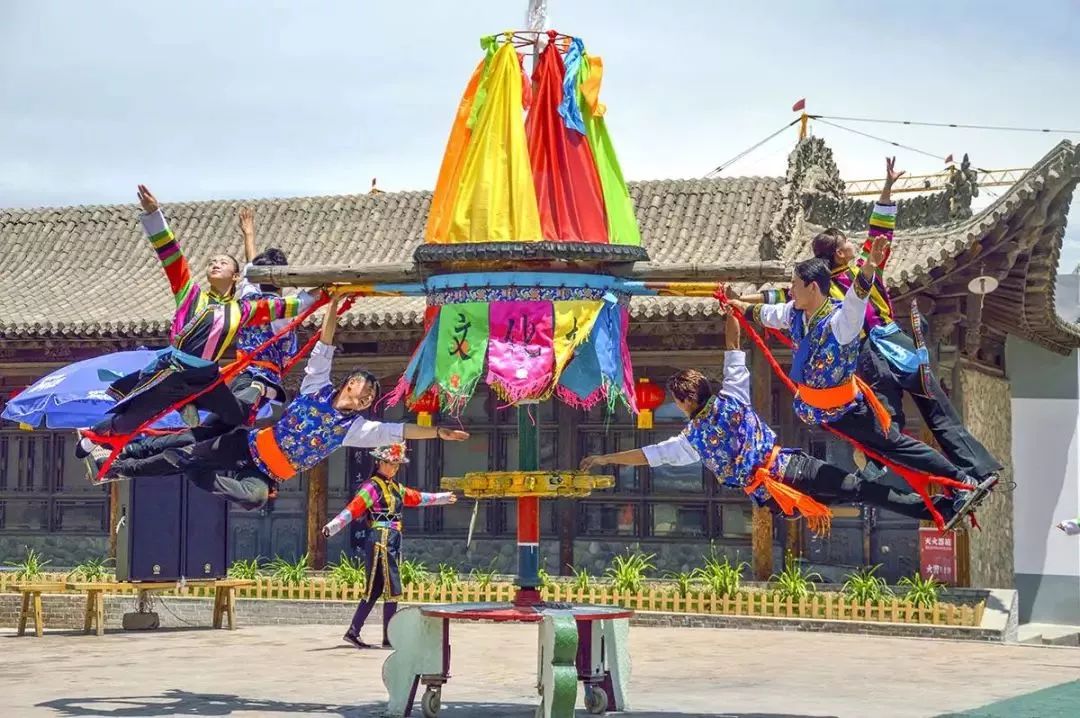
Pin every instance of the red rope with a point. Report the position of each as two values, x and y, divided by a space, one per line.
918 480
117 442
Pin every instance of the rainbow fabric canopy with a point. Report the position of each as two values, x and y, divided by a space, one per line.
552 177
529 204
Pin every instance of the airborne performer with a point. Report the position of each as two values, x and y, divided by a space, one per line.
890 361
203 328
826 338
732 441
316 423
377 506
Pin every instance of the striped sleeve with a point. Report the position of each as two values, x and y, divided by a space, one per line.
882 222
263 309
412 497
364 500
776 296
170 255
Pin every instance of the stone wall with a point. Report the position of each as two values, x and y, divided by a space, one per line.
986 405
60 550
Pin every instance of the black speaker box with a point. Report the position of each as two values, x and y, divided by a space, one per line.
170 529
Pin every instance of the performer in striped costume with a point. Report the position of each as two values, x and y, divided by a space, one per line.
204 326
376 509
323 418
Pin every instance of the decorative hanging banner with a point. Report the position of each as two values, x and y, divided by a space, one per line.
496 201
574 322
629 392
520 352
580 384
568 191
459 355
446 187
622 224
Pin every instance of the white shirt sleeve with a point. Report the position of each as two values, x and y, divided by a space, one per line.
776 316
675 451
317 371
368 434
736 376
244 288
846 323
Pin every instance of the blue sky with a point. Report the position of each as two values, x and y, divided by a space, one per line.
249 98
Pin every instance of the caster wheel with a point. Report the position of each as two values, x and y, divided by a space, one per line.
431 702
596 701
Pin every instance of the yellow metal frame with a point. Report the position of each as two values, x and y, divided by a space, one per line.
516 484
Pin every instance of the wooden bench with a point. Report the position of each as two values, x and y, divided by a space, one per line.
31 605
94 617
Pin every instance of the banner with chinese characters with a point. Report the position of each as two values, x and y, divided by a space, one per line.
937 555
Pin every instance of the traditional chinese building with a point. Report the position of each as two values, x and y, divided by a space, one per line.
80 281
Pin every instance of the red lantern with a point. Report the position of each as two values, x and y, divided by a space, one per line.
649 398
426 406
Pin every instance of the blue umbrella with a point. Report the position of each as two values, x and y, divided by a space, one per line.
75 396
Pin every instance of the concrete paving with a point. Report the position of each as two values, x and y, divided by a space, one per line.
677 673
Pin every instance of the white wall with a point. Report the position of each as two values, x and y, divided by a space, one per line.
1046 461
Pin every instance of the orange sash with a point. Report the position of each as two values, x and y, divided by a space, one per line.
818 516
836 396
272 455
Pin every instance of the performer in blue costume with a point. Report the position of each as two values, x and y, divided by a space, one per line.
826 337
732 441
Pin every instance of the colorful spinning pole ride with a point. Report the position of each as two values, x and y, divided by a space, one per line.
530 215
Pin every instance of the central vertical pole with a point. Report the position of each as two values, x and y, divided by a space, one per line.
528 510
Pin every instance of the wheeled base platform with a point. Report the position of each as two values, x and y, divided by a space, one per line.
586 644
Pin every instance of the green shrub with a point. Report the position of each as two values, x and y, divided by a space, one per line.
922 592
582 579
91 570
412 572
291 572
793 582
863 586
627 573
347 572
446 576
248 570
30 568
719 576
684 581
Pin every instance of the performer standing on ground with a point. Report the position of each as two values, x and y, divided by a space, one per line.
891 361
826 337
377 506
318 421
203 328
731 440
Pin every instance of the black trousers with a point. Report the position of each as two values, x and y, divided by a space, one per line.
956 442
178 382
364 609
214 461
861 425
831 485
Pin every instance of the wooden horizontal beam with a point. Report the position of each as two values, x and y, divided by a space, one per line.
323 274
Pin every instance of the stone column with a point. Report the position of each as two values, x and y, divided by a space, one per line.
985 402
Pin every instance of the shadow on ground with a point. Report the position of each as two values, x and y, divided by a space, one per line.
185 703
1060 701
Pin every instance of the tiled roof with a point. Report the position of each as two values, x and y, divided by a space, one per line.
87 272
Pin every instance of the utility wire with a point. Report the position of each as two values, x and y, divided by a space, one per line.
720 168
956 125
881 139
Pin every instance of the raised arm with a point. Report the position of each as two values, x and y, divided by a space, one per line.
317 371
247 230
167 248
774 316
883 216
364 500
847 323
257 309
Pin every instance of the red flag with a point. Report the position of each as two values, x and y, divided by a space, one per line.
949 160
800 105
